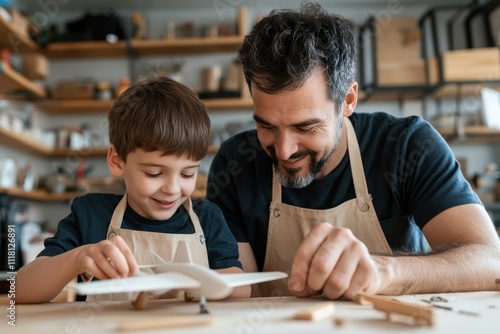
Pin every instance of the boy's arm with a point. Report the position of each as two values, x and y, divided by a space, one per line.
240 291
42 279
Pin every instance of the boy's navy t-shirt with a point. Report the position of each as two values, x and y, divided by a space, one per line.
91 214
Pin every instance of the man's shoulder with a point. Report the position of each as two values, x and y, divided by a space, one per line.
384 120
380 124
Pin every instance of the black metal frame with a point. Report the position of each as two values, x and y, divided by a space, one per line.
431 14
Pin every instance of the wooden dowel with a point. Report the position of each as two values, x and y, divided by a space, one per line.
317 312
163 322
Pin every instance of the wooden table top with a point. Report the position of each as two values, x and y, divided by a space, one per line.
477 312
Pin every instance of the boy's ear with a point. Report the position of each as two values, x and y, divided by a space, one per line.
351 100
115 163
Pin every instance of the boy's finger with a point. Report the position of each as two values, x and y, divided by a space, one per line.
129 258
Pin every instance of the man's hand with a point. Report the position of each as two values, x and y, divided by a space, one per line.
110 258
331 260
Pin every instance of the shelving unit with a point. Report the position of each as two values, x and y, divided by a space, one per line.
11 40
471 135
10 80
15 42
29 145
457 73
67 107
39 195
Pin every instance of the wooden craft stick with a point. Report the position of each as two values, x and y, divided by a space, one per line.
163 322
317 312
388 305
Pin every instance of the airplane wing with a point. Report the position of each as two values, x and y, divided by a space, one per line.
213 284
164 281
182 274
234 280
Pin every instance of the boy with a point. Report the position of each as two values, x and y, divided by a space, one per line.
159 132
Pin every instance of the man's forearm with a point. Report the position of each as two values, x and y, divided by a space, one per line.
471 267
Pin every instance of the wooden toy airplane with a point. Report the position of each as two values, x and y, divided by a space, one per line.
181 274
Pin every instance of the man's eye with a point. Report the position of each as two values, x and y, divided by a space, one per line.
266 127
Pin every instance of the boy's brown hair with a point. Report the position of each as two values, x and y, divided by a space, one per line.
159 114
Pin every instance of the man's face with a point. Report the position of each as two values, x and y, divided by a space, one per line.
300 130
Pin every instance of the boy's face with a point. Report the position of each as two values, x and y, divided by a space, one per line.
156 184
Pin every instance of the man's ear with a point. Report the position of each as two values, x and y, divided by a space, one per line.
351 100
115 163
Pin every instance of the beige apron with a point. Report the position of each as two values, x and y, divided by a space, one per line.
145 244
288 225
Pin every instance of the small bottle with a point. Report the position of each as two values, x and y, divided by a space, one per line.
29 178
103 91
124 84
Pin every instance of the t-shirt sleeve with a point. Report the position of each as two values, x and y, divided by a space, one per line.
429 177
67 236
222 247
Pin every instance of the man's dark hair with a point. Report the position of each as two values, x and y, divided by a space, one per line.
285 47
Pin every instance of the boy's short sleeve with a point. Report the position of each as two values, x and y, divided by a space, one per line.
67 236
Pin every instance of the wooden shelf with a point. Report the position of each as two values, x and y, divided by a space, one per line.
21 142
228 104
12 40
472 135
39 195
388 96
83 153
91 49
74 106
10 80
84 106
102 49
452 90
195 45
24 143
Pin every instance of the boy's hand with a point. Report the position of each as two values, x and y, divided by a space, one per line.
110 258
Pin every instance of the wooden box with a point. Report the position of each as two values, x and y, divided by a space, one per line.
481 64
74 90
399 61
35 66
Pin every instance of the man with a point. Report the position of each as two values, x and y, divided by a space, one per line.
344 202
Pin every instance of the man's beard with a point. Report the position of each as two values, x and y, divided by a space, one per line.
287 176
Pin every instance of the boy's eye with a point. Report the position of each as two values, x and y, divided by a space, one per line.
153 174
188 176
